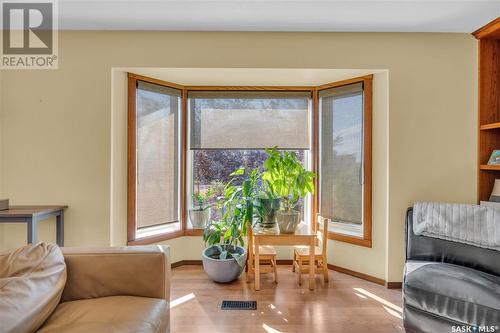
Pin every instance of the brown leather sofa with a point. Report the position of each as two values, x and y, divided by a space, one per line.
106 290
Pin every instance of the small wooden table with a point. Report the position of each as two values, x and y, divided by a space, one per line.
302 236
31 215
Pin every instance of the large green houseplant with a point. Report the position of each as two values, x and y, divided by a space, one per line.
286 178
225 257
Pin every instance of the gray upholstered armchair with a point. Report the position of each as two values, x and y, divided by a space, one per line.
449 284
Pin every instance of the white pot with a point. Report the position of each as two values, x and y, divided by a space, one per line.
199 218
288 220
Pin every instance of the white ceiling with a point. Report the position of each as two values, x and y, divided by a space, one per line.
279 15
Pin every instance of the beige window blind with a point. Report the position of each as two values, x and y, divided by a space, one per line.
249 120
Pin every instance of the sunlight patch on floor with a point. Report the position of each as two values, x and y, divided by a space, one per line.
273 307
392 312
269 329
379 299
180 300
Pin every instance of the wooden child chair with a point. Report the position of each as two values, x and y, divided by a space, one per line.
301 253
267 258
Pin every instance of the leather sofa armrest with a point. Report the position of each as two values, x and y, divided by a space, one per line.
117 271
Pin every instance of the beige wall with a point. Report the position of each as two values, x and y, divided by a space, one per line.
2 241
1 140
433 117
57 125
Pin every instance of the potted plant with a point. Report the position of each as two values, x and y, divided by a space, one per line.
225 256
266 205
200 214
287 179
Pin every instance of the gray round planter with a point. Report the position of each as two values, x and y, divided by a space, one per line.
223 271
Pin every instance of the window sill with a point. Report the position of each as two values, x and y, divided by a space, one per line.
348 229
152 239
161 229
199 232
156 238
350 239
193 232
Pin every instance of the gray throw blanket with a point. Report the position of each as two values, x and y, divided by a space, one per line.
470 224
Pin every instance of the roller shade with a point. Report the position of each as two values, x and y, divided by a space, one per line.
341 153
342 91
156 88
249 120
157 154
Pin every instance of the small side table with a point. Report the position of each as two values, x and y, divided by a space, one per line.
31 215
302 236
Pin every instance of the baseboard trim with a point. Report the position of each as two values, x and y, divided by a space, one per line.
284 261
363 276
357 274
394 285
192 262
186 262
177 264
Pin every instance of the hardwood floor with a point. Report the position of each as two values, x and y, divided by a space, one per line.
345 304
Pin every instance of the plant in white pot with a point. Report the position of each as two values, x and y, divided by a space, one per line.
225 256
287 179
201 213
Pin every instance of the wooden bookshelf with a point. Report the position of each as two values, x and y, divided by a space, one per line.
489 126
489 167
488 106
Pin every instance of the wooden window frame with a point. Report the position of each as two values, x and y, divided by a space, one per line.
367 81
132 159
366 240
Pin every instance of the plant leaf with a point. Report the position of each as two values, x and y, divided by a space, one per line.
223 255
239 259
238 172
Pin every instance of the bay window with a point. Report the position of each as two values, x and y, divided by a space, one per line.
183 139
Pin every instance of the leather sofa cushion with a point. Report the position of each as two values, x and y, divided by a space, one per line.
114 314
32 279
417 321
458 293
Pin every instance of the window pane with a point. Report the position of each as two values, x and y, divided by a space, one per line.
212 167
341 158
249 120
157 110
229 130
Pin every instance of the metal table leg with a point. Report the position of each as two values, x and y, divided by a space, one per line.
60 229
32 230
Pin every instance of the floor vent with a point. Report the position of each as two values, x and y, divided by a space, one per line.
238 305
